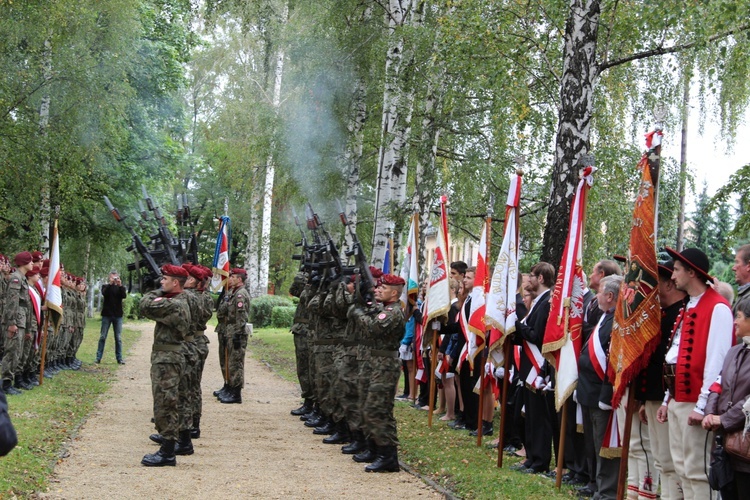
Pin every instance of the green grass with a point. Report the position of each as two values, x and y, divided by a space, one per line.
450 458
47 417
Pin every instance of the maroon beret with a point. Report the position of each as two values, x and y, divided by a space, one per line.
32 272
238 271
37 256
172 270
206 273
392 280
376 273
23 258
44 272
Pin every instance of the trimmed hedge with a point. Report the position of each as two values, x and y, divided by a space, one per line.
130 308
261 309
282 316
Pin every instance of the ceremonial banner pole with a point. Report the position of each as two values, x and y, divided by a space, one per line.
636 328
44 349
52 294
433 361
485 287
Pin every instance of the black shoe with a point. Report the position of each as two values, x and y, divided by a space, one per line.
486 429
458 424
9 389
585 491
365 456
34 379
195 432
302 410
534 471
17 385
315 420
518 467
184 445
163 457
328 427
157 438
48 373
386 461
98 361
23 383
121 362
341 436
233 396
358 444
221 391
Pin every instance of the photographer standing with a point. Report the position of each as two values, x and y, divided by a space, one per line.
114 293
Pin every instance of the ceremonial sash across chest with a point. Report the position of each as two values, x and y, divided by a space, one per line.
534 355
596 352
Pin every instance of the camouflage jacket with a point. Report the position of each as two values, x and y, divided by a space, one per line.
172 316
335 309
233 311
301 314
201 310
17 302
316 325
382 325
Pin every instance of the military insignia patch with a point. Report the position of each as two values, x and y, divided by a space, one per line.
381 316
239 304
15 280
157 299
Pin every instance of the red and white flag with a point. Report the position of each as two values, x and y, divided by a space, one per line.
476 325
562 338
221 256
501 295
53 295
438 297
410 266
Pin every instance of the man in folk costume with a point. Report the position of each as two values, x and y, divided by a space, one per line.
649 390
594 391
701 337
530 335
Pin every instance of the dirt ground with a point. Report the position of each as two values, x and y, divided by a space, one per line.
252 450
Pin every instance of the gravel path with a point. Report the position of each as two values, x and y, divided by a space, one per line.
252 450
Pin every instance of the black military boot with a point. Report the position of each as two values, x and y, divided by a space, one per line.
48 372
341 436
233 396
23 381
221 392
184 444
17 383
157 438
327 427
386 461
315 420
358 444
311 414
9 389
165 456
195 432
368 454
33 378
305 408
76 363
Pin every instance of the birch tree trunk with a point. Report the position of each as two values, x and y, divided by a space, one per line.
580 73
395 129
45 208
252 250
353 153
265 237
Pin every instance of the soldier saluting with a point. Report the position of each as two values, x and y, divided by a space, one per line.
169 308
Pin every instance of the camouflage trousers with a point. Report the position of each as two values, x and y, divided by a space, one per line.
345 385
76 338
223 354
165 383
65 336
201 345
324 376
27 356
188 382
237 363
13 353
302 355
379 424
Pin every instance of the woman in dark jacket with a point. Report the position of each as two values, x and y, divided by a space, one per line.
724 412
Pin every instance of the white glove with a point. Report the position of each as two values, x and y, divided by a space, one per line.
539 382
436 325
488 369
604 406
575 396
500 372
403 349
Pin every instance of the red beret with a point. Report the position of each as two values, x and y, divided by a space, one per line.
44 272
23 258
37 256
32 272
171 270
392 280
376 273
238 271
206 273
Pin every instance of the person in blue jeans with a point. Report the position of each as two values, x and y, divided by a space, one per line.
114 293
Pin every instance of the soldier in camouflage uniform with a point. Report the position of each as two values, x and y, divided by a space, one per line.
232 312
169 308
382 325
4 277
79 323
337 305
15 321
24 375
301 347
321 359
201 313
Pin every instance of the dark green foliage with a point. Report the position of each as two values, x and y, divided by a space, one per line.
282 316
130 306
261 309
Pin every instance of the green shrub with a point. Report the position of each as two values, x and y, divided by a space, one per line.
295 300
282 316
130 308
261 309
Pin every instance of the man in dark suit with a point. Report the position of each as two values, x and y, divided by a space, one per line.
534 369
594 390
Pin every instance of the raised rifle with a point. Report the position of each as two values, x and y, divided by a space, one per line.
163 235
366 288
146 260
330 252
